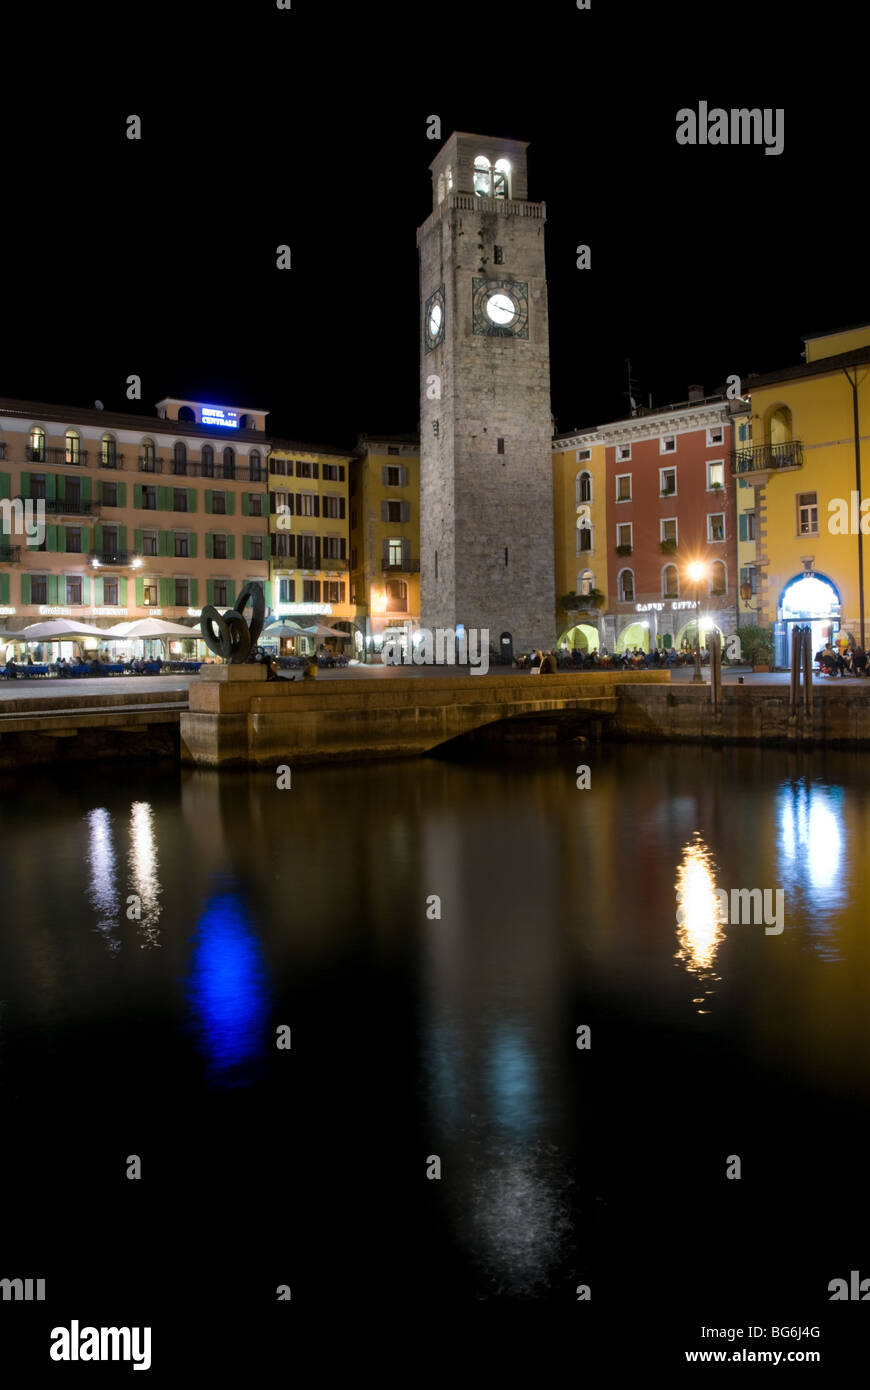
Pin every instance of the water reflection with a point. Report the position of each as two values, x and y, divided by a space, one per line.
103 878
699 930
811 859
143 871
227 992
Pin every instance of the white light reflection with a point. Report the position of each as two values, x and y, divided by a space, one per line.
103 885
811 840
699 930
143 871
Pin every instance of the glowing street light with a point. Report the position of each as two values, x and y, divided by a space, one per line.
697 572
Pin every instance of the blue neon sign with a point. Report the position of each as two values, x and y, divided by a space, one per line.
216 415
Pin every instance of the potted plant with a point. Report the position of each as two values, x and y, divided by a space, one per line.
573 603
756 646
623 550
715 487
668 547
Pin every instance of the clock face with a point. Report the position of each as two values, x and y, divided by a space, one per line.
500 308
433 320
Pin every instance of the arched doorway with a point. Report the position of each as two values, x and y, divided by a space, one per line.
635 635
808 599
581 638
687 634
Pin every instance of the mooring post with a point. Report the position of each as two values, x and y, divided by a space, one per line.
807 646
714 642
797 648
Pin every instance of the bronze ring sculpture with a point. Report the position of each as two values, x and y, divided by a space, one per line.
228 635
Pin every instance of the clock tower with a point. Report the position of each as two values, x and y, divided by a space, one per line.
486 481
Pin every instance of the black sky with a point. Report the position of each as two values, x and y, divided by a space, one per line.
308 127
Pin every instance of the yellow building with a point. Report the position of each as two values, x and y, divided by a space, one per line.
802 463
385 535
309 529
138 516
745 511
580 522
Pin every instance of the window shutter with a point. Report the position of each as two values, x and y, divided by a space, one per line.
209 547
98 538
316 505
140 593
341 472
231 503
191 545
385 550
744 527
51 587
290 508
86 491
315 470
5 482
744 575
231 547
194 592
137 541
317 552
406 511
122 494
403 474
164 592
267 589
209 591
384 475
191 499
246 504
385 511
122 538
122 591
246 545
98 589
208 500
137 494
25 484
298 496
50 485
86 588
165 542
231 592
343 548
164 499
406 553
25 588
54 538
341 512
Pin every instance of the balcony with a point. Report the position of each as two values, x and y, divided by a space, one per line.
219 472
54 506
111 459
767 459
9 554
2 449
110 557
58 458
328 563
403 567
146 464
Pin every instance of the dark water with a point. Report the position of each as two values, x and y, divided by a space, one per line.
415 1037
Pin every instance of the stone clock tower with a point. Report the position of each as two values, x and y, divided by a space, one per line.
486 482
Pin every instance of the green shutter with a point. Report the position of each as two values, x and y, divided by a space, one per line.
122 494
140 592
98 589
209 591
60 485
52 587
86 588
137 541
137 495
25 484
50 486
4 588
25 588
231 503
5 483
165 542
165 593
246 504
86 492
267 590
191 545
208 500
122 538
194 590
209 547
743 527
191 499
246 547
164 499
231 547
87 532
231 591
122 591
98 537
55 538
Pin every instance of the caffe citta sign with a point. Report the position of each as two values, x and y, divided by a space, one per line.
674 606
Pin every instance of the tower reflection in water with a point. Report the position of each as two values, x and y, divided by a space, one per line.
811 837
699 931
227 992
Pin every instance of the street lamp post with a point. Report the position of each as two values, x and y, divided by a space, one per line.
696 573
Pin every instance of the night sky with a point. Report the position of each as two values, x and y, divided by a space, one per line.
308 127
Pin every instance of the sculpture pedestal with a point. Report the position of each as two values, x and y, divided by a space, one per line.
214 727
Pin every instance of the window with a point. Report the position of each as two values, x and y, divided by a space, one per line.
497 255
623 534
110 592
108 452
286 590
397 596
623 453
750 573
333 591
743 434
668 529
255 466
584 540
667 482
482 177
585 582
306 504
149 594
392 448
808 513
280 542
36 447
332 547
73 588
149 499
149 542
307 553
331 473
73 450
182 592
583 488
668 444
110 494
256 547
229 462
311 591
279 466
715 475
584 455
110 540
219 547
394 552
623 487
219 503
304 469
149 455
715 526
750 526
38 588
207 461
332 507
715 435
37 485
74 540
256 503
220 592
626 586
670 582
718 577
179 499
182 545
392 477
499 446
179 457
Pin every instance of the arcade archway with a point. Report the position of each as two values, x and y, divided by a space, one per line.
581 638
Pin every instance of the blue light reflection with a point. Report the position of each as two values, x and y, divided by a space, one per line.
227 991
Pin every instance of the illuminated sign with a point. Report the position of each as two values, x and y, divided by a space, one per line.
47 610
674 606
216 415
287 610
6 612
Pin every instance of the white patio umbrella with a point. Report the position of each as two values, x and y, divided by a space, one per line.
155 627
319 630
284 627
59 630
